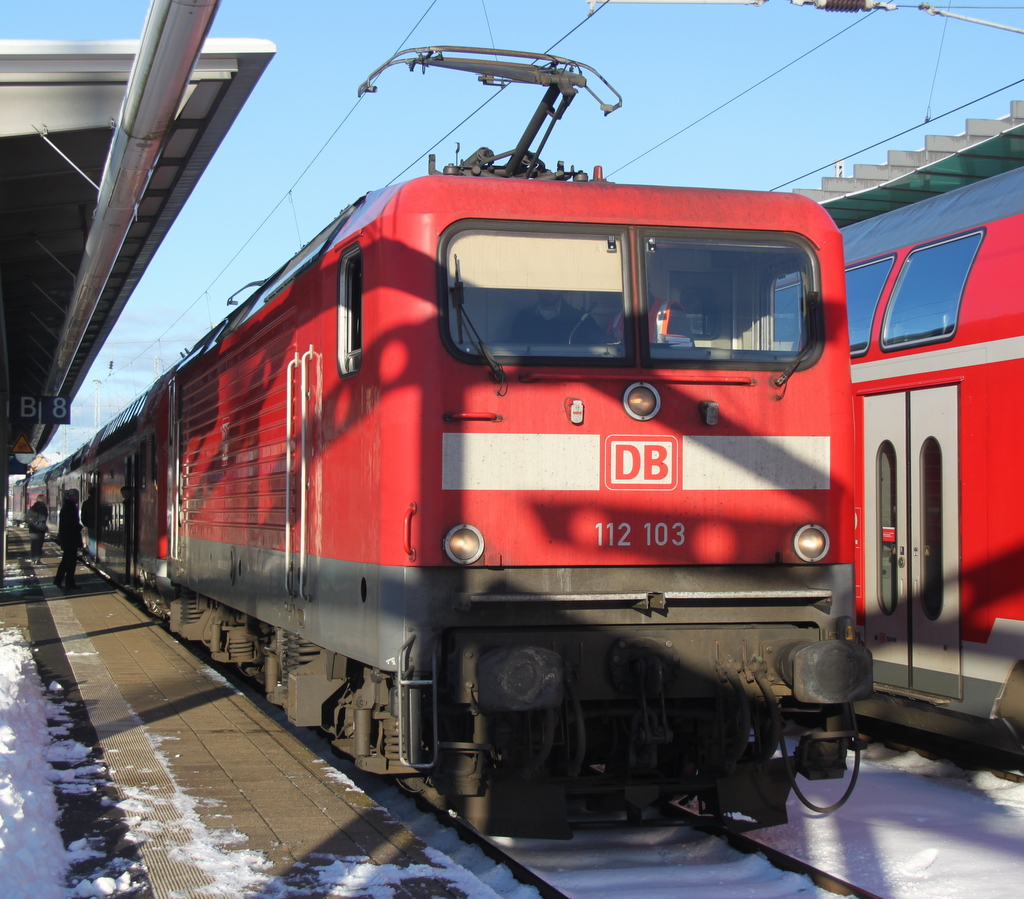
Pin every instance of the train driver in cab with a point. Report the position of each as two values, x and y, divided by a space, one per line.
553 319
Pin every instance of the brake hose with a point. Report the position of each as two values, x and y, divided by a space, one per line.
835 735
774 737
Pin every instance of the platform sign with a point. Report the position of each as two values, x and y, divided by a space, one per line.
20 444
40 410
21 450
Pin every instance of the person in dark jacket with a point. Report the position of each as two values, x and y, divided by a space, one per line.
554 320
89 522
69 537
89 512
37 516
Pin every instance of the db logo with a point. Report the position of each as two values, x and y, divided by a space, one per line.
638 464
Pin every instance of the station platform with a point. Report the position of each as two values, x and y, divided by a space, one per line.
201 787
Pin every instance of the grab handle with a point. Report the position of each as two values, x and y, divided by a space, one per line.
407 535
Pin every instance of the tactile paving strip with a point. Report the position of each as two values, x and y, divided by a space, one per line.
133 763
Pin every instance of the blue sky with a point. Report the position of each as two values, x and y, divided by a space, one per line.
673 64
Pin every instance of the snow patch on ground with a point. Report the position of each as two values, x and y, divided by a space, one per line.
36 759
914 828
32 857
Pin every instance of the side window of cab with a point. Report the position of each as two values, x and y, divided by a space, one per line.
350 311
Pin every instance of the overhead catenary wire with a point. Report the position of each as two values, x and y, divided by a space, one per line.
487 19
905 131
742 93
935 74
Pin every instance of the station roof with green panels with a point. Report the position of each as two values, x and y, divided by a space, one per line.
986 147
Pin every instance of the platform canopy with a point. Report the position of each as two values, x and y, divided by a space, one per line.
97 157
987 147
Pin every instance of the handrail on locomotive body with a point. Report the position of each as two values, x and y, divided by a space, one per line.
562 77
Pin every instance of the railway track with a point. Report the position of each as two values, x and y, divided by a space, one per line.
614 856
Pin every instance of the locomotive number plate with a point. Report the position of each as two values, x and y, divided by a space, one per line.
650 533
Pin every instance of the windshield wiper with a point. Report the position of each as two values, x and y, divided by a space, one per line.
457 292
812 339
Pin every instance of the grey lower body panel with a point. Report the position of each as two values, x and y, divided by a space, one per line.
369 612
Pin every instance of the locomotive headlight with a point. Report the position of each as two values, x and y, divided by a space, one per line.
641 401
464 544
810 543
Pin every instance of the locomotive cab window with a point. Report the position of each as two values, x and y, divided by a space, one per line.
864 285
725 301
539 295
350 312
926 299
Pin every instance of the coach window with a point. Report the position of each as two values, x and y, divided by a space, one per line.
720 301
350 312
932 587
926 300
547 295
864 285
888 571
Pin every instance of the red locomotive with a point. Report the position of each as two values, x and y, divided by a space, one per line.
936 334
521 488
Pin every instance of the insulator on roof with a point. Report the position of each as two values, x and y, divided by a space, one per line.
845 5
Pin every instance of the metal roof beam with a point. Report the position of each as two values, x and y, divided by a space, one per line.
171 43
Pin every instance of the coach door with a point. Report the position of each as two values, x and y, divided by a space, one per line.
912 539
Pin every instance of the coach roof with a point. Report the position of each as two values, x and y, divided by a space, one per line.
967 207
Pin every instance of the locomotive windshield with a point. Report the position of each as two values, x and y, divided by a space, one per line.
724 300
536 294
559 296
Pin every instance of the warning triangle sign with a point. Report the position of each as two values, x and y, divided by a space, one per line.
21 445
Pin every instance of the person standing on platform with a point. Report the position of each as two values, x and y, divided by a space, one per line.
69 537
37 517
